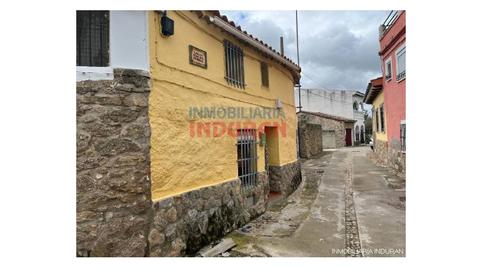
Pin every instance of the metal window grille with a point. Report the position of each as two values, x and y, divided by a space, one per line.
234 64
92 38
264 74
403 135
247 157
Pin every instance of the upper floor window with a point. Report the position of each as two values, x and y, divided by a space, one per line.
92 38
355 106
388 69
264 74
234 64
400 63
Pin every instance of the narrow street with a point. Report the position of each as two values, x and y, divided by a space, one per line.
346 206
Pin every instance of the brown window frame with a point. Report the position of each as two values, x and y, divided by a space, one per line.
264 74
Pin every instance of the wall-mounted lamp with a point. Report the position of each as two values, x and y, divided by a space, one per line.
167 25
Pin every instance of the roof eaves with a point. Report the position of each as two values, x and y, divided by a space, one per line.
238 28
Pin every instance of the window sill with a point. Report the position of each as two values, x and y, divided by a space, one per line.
388 79
400 80
94 73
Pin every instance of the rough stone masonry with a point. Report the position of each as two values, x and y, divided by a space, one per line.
115 213
113 188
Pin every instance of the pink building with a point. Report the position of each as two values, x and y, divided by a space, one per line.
392 55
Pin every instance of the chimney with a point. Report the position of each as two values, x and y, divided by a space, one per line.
381 30
281 46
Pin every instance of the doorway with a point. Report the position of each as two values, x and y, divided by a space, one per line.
271 154
348 137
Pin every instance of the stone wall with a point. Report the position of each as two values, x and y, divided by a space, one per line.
380 149
396 158
327 124
113 187
285 179
185 223
311 140
115 213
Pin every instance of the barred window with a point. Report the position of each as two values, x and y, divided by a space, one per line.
92 38
234 64
247 157
403 135
264 74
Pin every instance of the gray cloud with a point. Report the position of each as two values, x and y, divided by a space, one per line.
338 49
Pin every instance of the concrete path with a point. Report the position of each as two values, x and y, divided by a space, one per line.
345 206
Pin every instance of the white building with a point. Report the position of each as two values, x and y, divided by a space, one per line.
341 103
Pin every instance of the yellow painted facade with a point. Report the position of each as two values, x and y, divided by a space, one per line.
179 161
376 105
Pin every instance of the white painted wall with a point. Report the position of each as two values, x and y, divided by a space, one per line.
359 115
333 102
128 41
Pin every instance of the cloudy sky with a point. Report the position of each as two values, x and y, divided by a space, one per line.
338 49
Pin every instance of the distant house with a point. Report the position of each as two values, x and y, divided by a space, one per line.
334 132
346 104
186 125
387 93
374 96
392 53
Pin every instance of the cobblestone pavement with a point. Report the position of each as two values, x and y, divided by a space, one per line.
345 206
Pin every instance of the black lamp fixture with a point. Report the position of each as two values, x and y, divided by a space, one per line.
167 25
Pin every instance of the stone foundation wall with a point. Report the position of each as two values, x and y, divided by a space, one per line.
113 187
115 214
185 223
396 158
285 179
381 151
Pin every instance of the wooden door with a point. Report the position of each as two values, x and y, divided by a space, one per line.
348 137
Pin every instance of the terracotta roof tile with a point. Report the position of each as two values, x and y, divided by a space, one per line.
238 27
